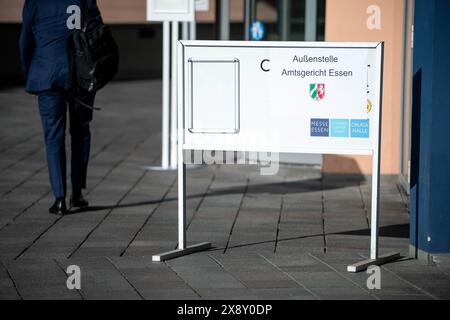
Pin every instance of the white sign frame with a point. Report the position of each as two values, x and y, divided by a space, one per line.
183 124
157 12
347 146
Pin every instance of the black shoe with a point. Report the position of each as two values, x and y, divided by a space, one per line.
59 207
78 202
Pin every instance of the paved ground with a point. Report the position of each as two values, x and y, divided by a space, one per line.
288 236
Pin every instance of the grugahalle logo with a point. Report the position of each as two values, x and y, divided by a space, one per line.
317 91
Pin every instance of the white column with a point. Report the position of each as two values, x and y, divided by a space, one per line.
165 134
173 113
185 30
193 30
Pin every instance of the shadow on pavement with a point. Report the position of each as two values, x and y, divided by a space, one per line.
301 186
394 231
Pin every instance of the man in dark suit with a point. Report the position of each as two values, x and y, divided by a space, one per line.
43 52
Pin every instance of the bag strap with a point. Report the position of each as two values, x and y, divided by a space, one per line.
82 103
85 15
71 61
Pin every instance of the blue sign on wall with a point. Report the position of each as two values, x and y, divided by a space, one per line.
257 31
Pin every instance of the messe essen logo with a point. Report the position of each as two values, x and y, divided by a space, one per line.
317 91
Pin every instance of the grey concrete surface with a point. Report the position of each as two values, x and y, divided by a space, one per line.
288 236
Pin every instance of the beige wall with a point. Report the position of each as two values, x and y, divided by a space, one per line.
112 10
134 11
11 10
346 20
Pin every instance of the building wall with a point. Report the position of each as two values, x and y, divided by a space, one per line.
117 11
346 20
134 11
430 172
140 42
406 147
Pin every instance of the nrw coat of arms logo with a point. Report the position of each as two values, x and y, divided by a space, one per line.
317 91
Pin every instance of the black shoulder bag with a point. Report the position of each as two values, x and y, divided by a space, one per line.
93 55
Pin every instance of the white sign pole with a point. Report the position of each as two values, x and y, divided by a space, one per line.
181 182
166 97
173 110
182 249
374 224
375 258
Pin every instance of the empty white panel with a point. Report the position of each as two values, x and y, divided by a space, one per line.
171 6
213 95
170 10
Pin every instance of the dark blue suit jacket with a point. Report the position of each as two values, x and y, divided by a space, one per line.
43 42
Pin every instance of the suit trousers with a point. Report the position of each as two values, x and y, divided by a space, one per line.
53 105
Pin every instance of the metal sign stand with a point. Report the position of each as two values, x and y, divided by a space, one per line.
183 249
375 258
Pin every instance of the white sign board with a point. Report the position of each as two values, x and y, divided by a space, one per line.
170 10
201 5
321 98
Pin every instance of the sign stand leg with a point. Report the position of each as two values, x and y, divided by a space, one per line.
375 258
183 249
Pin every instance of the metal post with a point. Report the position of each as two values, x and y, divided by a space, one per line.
181 172
181 162
311 20
193 30
182 249
285 19
247 20
375 258
249 17
173 113
223 16
376 161
252 10
185 30
166 96
375 202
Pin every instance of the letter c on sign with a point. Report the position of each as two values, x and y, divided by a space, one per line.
262 65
